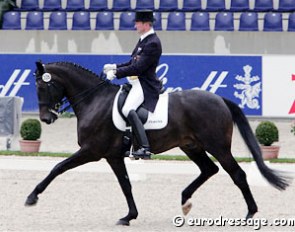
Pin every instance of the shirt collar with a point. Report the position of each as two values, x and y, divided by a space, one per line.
151 31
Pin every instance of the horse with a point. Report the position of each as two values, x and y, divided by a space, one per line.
200 123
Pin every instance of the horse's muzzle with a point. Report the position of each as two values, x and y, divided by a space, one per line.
48 117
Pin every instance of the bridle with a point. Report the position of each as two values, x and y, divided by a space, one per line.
51 86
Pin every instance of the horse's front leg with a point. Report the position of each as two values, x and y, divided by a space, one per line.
119 168
77 159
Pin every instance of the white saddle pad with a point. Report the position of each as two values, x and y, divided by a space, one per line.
155 121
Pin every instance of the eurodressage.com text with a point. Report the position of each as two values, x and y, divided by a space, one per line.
256 223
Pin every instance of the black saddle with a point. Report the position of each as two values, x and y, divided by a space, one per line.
141 111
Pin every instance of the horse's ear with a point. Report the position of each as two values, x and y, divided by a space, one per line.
40 66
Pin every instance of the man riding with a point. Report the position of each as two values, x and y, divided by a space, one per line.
141 72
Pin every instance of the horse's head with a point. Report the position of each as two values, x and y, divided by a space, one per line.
50 93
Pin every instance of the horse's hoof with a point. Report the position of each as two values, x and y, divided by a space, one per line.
123 223
250 215
31 201
186 207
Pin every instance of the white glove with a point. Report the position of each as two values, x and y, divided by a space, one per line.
108 67
111 75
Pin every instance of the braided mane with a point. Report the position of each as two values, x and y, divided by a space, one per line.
74 65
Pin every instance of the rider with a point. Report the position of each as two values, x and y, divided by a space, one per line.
141 73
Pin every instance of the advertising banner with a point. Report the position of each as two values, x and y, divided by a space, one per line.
238 78
279 89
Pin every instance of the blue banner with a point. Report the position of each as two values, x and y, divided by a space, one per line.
238 78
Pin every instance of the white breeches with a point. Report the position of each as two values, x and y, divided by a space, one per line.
134 99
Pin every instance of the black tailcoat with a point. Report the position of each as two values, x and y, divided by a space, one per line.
143 63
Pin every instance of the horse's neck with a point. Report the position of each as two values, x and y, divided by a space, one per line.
100 95
79 84
83 87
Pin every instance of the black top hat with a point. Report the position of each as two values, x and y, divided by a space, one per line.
144 16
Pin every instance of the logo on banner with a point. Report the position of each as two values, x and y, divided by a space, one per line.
213 87
249 89
14 83
213 81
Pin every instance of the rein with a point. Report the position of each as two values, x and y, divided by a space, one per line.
84 94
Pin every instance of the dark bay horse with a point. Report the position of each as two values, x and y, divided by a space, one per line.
199 122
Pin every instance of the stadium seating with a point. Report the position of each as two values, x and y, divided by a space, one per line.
291 22
98 5
286 5
11 20
239 5
145 4
176 21
224 21
168 5
52 5
215 5
28 5
75 5
104 21
200 21
35 20
191 5
263 5
273 22
126 21
121 5
58 20
81 20
248 21
175 17
158 21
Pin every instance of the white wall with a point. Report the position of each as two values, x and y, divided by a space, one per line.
120 42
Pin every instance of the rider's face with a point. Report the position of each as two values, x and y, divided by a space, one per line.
142 27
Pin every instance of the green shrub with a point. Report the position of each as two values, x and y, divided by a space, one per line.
30 129
267 133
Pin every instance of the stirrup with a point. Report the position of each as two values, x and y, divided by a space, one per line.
141 153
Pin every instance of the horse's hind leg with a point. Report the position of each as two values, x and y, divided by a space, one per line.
75 160
239 177
207 168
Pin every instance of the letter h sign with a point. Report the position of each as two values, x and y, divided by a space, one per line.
13 85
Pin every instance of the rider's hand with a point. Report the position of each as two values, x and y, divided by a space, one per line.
108 67
111 75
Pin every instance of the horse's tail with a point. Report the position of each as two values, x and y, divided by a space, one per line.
278 181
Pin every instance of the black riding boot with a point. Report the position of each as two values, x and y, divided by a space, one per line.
138 129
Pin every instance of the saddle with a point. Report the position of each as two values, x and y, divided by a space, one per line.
151 121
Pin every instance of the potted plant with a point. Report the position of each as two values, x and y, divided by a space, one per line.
267 133
30 132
